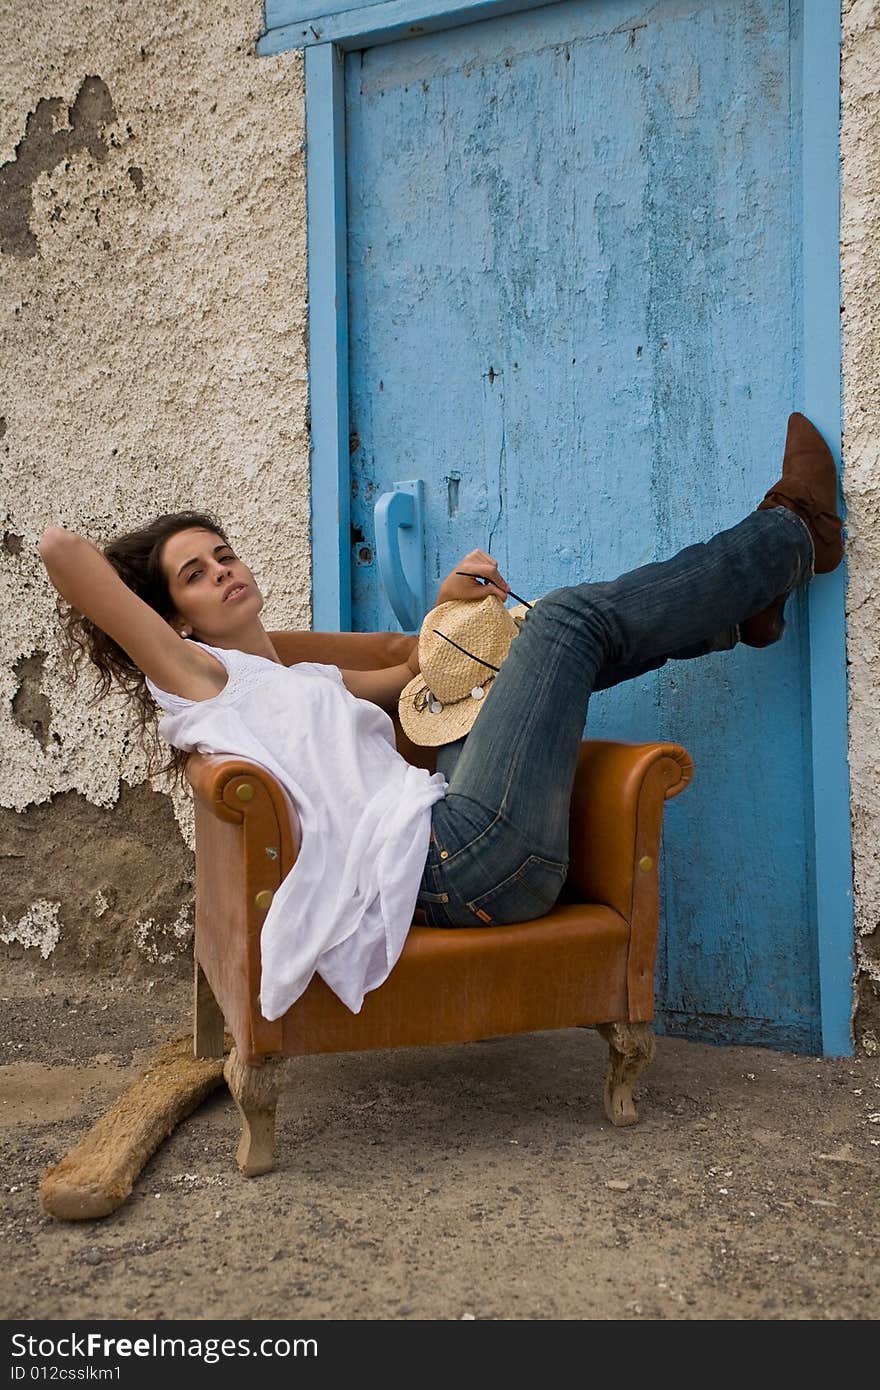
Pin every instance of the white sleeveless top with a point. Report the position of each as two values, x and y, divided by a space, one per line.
346 906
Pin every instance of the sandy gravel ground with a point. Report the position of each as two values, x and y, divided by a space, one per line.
477 1181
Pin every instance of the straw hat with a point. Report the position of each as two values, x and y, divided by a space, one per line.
461 647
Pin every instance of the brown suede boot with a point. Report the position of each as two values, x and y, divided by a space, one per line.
808 486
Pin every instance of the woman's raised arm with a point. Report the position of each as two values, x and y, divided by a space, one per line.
88 581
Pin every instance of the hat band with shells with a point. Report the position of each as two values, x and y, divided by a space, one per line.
425 699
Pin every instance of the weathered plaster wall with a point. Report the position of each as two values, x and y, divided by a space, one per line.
152 357
860 237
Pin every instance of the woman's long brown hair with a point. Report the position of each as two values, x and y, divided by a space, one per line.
136 558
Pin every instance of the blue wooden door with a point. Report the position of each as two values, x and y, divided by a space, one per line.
575 267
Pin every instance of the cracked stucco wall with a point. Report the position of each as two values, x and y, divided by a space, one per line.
152 226
860 269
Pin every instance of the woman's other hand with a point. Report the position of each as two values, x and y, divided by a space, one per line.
462 586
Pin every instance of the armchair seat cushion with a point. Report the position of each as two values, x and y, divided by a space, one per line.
457 984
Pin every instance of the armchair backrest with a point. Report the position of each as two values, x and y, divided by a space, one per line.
352 651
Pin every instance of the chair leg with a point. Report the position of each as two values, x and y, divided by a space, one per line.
207 1018
255 1091
631 1047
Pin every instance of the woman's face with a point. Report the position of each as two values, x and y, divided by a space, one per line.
213 592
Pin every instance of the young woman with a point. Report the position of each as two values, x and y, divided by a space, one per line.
173 615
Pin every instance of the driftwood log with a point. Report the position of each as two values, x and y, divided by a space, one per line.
98 1173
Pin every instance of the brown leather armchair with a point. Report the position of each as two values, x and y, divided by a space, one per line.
588 963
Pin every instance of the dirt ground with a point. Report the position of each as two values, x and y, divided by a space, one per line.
477 1181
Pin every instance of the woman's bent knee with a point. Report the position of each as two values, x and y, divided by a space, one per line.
579 609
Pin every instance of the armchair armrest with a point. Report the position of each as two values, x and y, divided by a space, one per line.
619 794
248 835
215 780
616 814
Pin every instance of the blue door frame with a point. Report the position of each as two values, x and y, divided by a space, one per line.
325 29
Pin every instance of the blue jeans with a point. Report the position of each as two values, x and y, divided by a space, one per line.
499 839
